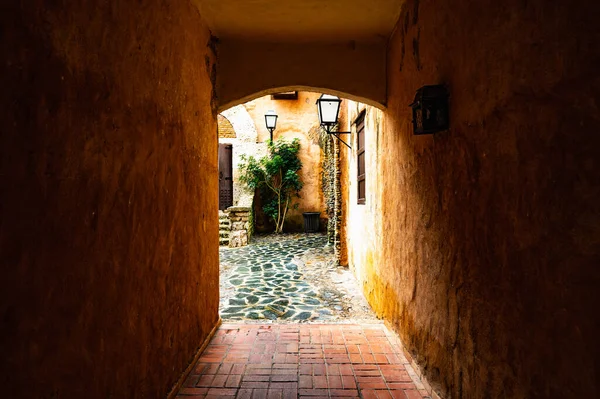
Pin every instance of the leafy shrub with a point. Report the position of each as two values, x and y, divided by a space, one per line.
276 177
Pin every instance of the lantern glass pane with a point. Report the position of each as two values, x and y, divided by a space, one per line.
271 119
328 109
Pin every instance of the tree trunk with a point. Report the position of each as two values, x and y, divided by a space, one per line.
285 209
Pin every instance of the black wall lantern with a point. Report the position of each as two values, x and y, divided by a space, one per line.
271 122
430 110
328 107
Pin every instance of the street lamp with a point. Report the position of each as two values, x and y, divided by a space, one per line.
271 121
430 110
328 107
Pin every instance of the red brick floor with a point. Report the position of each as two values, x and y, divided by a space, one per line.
302 360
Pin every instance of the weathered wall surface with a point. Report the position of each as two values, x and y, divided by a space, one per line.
108 222
250 69
297 119
487 266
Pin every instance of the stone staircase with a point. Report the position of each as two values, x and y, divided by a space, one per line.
224 228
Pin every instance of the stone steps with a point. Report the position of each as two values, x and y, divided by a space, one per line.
224 228
224 238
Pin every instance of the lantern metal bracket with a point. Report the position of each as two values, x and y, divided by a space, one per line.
336 134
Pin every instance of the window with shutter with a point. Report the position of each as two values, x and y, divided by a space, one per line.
360 159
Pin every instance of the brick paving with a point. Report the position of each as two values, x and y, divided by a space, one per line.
302 361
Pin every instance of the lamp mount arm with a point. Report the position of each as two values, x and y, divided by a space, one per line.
329 128
340 139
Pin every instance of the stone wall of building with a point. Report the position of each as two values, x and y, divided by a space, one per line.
332 188
108 176
480 244
297 119
241 226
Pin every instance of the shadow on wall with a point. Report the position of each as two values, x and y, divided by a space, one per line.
488 260
106 178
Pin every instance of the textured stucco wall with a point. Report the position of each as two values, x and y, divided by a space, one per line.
488 260
297 119
108 222
245 143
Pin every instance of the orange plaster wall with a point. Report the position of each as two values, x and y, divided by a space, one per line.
108 199
487 259
297 119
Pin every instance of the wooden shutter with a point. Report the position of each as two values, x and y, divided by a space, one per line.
360 159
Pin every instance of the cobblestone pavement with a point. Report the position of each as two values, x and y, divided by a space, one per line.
289 277
301 361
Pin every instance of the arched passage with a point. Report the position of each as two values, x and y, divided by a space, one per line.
489 241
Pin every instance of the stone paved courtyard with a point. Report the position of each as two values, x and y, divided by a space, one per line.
290 277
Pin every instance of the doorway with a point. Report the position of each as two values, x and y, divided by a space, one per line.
225 176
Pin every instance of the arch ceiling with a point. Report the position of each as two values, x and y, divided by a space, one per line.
336 45
249 69
301 20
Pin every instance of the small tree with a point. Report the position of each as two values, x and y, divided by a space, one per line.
276 177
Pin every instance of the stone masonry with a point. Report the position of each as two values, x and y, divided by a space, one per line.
240 218
224 228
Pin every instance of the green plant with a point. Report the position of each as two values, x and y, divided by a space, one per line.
276 178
